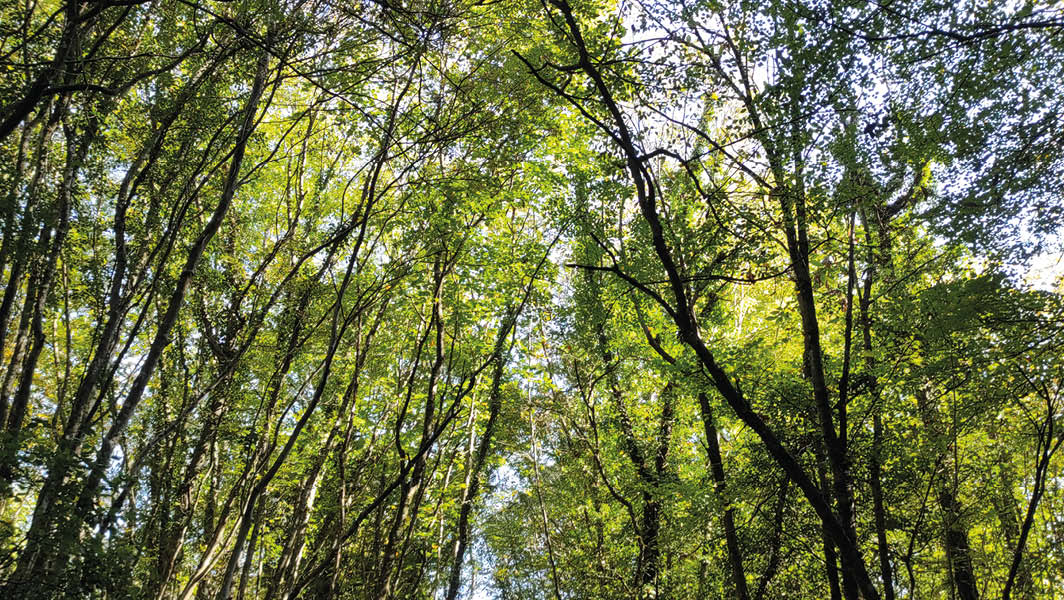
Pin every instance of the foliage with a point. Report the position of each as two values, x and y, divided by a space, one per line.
530 299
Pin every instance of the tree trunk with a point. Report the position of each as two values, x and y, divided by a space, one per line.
716 464
958 551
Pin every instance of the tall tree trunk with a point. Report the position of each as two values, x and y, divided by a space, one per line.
42 277
875 460
831 557
681 309
472 488
1048 442
411 488
716 464
878 507
555 582
1009 518
43 559
777 534
958 550
648 564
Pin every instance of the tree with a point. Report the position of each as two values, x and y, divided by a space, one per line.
574 299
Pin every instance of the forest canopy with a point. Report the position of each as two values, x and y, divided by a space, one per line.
555 299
